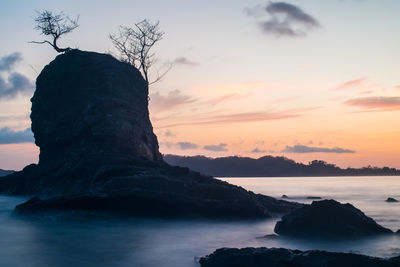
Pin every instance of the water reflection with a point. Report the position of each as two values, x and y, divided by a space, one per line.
63 241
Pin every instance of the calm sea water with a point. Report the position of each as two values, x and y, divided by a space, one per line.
57 241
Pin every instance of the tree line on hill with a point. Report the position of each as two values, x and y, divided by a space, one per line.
269 166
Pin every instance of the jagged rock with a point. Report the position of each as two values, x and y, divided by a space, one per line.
281 257
328 219
390 199
98 151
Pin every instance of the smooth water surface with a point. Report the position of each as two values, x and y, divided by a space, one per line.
57 241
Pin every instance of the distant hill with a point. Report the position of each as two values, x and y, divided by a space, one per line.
269 166
4 172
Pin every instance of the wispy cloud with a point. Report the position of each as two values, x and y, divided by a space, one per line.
159 102
215 118
283 19
217 148
15 118
186 145
351 83
377 103
184 61
168 133
309 149
7 136
14 83
257 150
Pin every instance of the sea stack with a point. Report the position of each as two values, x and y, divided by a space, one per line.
98 151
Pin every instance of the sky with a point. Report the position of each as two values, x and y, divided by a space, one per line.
305 79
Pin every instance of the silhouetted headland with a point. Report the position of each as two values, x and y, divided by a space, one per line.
98 151
269 166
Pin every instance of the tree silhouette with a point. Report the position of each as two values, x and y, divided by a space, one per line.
134 45
54 25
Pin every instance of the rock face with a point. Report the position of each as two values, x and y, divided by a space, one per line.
89 105
328 219
281 257
98 151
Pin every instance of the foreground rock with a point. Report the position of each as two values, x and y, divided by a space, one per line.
328 219
390 199
281 257
98 151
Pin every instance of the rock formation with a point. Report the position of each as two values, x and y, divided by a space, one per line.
98 151
281 257
391 199
328 219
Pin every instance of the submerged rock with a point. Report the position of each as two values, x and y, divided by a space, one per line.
98 151
390 199
281 257
328 219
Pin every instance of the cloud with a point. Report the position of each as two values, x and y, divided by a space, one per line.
184 61
352 83
15 118
8 136
166 144
186 145
213 118
7 63
377 103
308 149
14 83
168 133
397 87
257 150
173 99
284 19
217 148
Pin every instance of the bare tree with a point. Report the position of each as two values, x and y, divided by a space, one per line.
134 45
54 25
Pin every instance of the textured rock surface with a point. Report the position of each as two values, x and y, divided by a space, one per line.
98 151
281 257
89 105
328 219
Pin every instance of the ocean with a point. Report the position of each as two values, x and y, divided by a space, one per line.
60 241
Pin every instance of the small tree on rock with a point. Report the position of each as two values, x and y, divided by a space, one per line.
54 25
134 45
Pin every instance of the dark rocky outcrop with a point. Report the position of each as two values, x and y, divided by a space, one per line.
5 172
328 219
281 257
391 199
98 151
